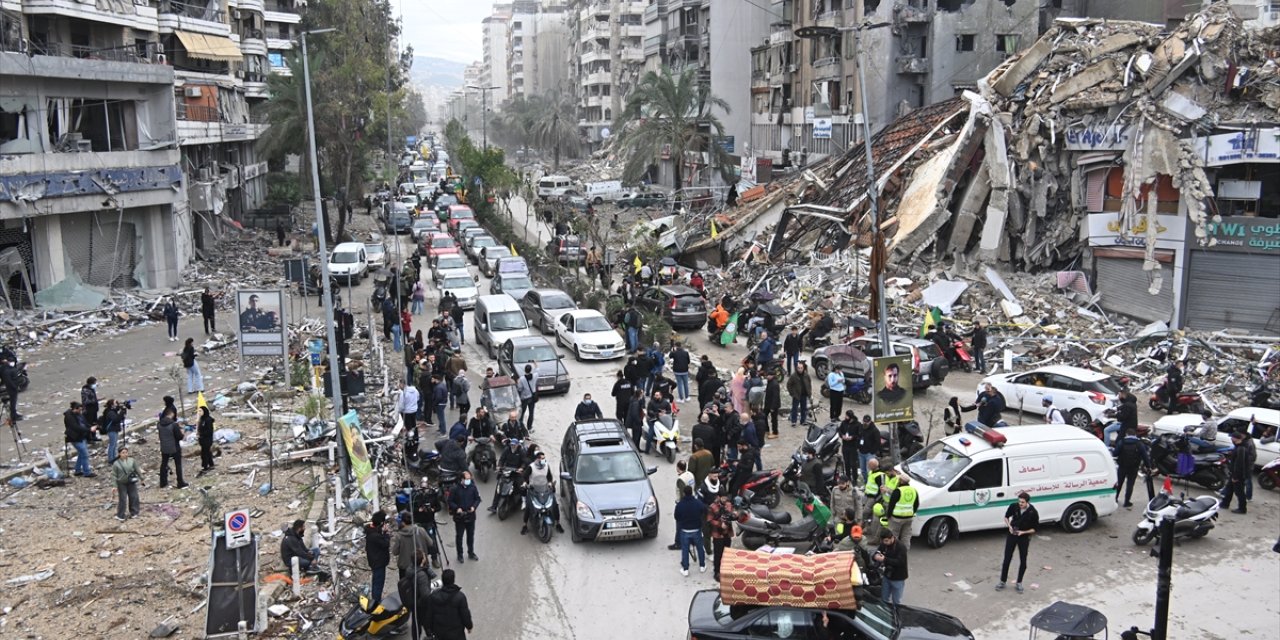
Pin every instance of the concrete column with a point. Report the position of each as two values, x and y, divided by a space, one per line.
47 251
162 256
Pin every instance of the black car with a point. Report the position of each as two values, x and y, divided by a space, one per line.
548 370
605 489
711 619
541 306
682 307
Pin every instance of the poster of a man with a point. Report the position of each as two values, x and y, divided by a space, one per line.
259 311
892 399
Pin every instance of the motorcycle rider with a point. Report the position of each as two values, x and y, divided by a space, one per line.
538 478
453 456
513 457
812 473
1132 453
1172 386
654 410
1203 436
480 426
1126 417
513 429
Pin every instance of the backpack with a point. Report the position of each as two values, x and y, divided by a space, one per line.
755 395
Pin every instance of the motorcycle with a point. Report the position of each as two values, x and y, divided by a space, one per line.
1185 402
855 386
757 531
1269 477
1193 518
390 619
541 501
825 442
959 354
762 489
483 458
424 463
508 491
667 429
910 439
1209 470
791 475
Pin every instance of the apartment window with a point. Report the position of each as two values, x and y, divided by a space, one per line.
965 41
1007 43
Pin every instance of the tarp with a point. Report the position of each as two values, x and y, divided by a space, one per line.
1070 619
72 294
822 581
207 47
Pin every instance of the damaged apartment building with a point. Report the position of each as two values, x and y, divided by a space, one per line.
126 141
1144 159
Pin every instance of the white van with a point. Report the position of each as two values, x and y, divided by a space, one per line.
498 318
599 192
966 483
349 261
547 185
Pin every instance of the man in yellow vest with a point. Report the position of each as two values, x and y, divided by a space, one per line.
871 490
903 503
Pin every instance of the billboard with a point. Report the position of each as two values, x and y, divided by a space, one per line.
891 379
260 316
361 466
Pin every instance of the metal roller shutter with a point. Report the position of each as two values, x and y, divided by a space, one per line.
101 248
1236 290
1123 286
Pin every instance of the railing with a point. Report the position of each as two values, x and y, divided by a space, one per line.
145 54
199 12
255 76
827 61
196 112
251 34
259 117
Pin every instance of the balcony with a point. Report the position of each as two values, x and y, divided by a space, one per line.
593 56
252 5
286 17
596 101
904 13
911 65
278 43
180 16
255 85
595 31
281 71
132 15
632 54
830 19
253 43
781 36
599 77
202 124
53 60
827 68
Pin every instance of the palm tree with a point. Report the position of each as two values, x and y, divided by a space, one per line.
675 110
286 113
555 127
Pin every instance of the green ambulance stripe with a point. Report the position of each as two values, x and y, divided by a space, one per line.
1072 495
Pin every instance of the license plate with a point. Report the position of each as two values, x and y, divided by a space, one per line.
606 352
620 525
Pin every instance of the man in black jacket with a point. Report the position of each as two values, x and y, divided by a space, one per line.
791 346
772 402
1131 454
292 546
463 502
377 550
1021 519
621 397
587 409
635 416
680 367
415 594
849 434
708 435
9 379
893 556
77 433
449 616
868 444
1239 468
978 340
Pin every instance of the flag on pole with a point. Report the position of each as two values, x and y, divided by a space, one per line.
714 232
200 402
513 249
637 263
931 319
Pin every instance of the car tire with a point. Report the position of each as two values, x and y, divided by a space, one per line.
1266 481
577 355
1077 517
821 368
598 201
1080 418
939 531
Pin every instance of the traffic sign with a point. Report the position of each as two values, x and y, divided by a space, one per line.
237 523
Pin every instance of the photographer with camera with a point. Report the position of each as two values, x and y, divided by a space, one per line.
112 424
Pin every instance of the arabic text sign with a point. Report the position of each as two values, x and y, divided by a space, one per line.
1098 138
1246 234
1257 145
1109 230
891 389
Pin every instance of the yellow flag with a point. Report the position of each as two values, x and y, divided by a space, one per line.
714 232
200 400
637 264
513 249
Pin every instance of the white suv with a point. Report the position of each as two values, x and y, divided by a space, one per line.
349 262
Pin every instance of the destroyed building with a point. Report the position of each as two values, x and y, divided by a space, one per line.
1146 159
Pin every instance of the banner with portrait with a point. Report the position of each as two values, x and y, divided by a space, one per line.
891 400
261 322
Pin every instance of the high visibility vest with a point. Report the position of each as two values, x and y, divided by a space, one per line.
906 506
890 483
873 483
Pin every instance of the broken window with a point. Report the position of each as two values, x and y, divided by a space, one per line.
1007 43
77 124
13 122
965 41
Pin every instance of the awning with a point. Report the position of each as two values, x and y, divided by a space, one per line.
206 47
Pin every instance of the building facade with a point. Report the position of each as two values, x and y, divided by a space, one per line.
495 31
537 48
605 60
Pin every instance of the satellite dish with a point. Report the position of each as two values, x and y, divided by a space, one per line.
604 132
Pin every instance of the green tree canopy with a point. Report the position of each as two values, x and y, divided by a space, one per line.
675 110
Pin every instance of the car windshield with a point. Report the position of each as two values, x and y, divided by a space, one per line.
592 324
460 214
484 242
507 321
557 301
424 223
441 242
458 283
446 200
497 252
344 257
536 353
374 249
600 468
937 464
878 617
516 283
451 262
929 351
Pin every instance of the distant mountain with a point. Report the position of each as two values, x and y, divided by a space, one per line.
428 71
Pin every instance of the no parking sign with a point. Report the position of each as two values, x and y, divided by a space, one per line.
237 523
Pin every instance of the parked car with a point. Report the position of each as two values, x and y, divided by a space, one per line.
489 259
375 254
409 200
1081 394
549 371
440 243
514 284
603 190
682 307
397 219
423 225
642 199
348 262
567 249
588 334
462 285
511 264
541 306
712 619
447 262
460 231
478 243
604 486
928 366
1257 422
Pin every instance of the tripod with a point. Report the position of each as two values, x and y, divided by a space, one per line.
19 445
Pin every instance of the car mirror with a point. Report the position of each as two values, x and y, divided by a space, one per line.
650 470
565 475
559 356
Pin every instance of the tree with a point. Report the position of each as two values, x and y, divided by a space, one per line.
286 112
675 110
555 128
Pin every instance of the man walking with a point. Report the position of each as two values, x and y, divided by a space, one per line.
128 476
408 405
772 402
208 302
903 503
448 615
893 556
689 514
800 387
439 401
527 388
680 367
1239 467
414 590
1131 454
791 346
1021 518
78 433
463 502
721 516
377 550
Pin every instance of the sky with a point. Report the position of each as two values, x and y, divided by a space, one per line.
448 29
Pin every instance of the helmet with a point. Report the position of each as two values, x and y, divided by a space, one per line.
878 510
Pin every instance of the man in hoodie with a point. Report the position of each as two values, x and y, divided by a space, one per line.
377 550
89 400
408 404
293 545
409 540
415 593
449 617
77 433
170 434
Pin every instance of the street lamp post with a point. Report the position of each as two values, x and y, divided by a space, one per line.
335 378
484 109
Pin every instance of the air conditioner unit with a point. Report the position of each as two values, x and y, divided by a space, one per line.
235 14
240 74
162 59
206 174
191 92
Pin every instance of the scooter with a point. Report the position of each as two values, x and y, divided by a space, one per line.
389 619
508 494
1194 518
762 489
667 430
1185 402
483 458
541 500
418 461
959 354
791 475
757 531
856 387
910 439
1209 470
1269 477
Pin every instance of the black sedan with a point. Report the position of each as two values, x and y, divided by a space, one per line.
711 619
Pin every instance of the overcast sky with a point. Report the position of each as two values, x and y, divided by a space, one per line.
447 29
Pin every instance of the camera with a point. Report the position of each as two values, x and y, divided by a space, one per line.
128 404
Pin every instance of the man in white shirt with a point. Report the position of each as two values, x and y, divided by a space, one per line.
1052 414
408 405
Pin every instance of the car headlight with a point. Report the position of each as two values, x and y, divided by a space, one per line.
650 506
584 512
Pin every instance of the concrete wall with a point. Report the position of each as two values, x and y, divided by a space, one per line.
734 29
983 19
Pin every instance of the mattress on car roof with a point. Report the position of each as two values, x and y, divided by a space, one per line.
823 581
